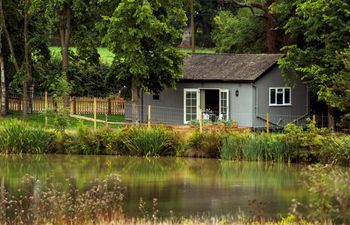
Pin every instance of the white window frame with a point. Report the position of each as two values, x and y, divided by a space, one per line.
283 93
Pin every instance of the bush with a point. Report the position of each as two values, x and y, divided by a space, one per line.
17 137
305 145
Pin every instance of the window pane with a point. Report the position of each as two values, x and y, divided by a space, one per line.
188 94
155 97
272 96
279 98
287 96
279 90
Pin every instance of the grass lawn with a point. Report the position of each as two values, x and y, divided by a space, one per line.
107 56
38 120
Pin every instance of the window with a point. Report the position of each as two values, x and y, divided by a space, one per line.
155 97
280 96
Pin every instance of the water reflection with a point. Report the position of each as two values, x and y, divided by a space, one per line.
185 186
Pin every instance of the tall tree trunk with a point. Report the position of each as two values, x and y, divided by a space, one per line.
26 57
331 124
134 100
8 38
65 33
3 85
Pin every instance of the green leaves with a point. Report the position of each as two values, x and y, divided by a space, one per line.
143 35
242 33
319 30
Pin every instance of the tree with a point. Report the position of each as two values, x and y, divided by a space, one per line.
2 80
319 30
241 33
143 34
274 36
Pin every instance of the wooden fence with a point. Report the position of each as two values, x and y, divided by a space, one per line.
78 105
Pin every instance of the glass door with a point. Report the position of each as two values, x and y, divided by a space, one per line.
224 105
191 105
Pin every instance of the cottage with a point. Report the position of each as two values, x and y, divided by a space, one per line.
240 87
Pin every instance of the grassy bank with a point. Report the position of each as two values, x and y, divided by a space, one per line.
297 145
38 120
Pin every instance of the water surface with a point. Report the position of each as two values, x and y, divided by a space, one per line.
183 186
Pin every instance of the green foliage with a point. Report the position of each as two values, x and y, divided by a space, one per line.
305 145
319 32
207 143
336 150
150 142
331 194
18 137
241 33
143 34
232 146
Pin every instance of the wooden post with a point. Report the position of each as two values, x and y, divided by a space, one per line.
109 106
314 120
74 111
267 124
193 39
149 117
95 106
46 106
200 121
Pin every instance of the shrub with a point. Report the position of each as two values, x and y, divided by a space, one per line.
304 145
17 137
158 141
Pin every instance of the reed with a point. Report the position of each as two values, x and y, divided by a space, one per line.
18 137
158 141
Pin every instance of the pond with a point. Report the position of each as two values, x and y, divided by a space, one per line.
182 186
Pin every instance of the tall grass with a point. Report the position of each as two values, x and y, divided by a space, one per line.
150 142
18 137
253 147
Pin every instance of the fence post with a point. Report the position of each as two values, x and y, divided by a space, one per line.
46 106
200 121
267 124
74 110
149 117
95 103
109 106
314 120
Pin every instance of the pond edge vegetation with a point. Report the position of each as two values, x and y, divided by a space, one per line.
296 144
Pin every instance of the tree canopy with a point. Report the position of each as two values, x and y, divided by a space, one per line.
143 35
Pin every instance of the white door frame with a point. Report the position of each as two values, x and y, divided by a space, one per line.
227 102
197 90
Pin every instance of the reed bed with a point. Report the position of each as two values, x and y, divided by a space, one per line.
295 144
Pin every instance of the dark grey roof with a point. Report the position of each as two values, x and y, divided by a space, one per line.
228 67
